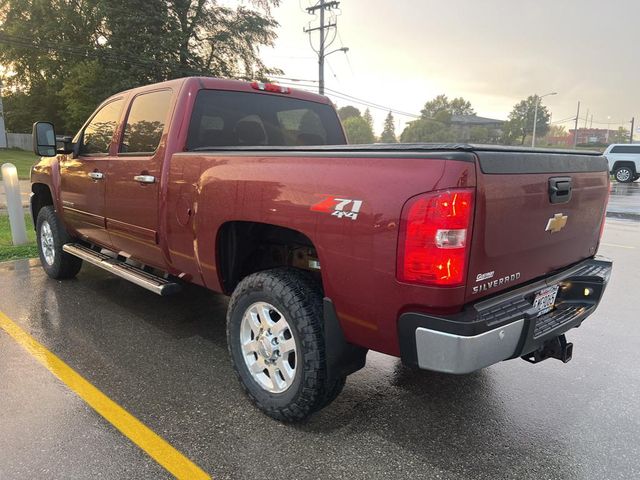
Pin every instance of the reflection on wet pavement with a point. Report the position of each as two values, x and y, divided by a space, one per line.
625 200
165 360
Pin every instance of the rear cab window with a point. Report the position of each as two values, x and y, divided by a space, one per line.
145 123
235 119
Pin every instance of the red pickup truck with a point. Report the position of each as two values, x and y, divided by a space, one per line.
453 257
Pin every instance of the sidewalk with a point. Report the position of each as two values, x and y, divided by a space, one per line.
25 190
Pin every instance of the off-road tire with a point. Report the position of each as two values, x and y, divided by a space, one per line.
64 265
331 392
299 298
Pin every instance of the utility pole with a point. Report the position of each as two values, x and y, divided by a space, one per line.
323 6
633 122
575 131
586 119
3 133
535 115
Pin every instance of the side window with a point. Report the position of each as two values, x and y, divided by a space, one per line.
626 149
145 122
98 134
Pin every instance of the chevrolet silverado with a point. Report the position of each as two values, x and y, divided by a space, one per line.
452 257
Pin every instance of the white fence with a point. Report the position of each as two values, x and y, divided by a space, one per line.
22 141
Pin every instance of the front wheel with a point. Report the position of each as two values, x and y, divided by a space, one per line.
276 343
624 174
51 236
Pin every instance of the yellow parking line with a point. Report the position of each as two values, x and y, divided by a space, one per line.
132 428
616 245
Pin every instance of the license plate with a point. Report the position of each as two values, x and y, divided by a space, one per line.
545 300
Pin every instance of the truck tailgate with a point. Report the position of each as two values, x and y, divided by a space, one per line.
523 231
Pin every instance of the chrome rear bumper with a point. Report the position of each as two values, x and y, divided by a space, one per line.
503 326
446 352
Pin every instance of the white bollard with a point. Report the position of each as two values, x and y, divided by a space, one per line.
14 204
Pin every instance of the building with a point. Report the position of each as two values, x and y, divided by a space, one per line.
464 124
587 136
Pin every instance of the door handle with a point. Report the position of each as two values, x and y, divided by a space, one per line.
96 175
145 178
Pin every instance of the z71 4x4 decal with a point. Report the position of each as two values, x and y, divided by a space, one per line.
338 207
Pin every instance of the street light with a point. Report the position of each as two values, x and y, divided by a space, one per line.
343 49
321 57
535 115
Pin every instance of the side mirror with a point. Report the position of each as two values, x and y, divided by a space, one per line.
44 139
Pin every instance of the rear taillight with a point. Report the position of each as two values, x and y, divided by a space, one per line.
435 232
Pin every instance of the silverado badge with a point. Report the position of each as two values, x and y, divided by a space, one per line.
556 223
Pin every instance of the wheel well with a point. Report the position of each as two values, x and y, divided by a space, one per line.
41 198
619 164
244 248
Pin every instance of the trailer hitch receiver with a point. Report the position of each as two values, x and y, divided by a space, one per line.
557 347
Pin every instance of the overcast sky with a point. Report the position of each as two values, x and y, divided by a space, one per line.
492 52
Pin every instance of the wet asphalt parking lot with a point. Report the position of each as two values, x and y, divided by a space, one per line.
165 361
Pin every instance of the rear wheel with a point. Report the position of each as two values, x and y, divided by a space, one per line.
624 174
276 342
51 236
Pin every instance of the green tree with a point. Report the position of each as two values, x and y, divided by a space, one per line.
358 130
520 123
555 132
440 104
348 112
67 56
389 132
479 134
433 107
424 130
368 118
460 106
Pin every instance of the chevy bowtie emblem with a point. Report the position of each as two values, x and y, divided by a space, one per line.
556 223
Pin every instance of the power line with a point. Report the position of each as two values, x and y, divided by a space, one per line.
294 79
352 99
564 120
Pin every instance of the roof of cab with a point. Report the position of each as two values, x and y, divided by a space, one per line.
214 83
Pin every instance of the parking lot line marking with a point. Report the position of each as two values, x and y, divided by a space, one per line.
132 428
616 245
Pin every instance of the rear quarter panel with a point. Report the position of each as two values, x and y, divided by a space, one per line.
357 257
